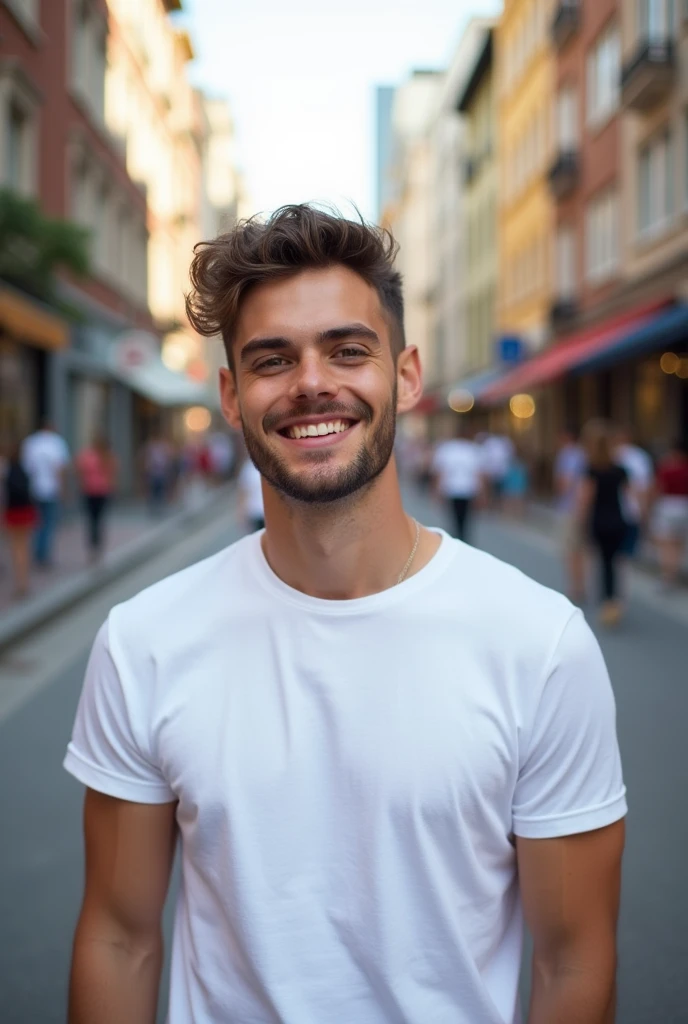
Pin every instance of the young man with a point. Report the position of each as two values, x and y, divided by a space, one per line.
380 747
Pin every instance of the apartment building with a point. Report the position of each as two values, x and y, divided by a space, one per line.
55 146
525 74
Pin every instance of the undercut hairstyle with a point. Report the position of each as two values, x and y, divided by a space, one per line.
294 238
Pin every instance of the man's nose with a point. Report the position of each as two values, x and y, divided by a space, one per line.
314 378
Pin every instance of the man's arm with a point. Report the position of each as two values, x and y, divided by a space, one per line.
570 889
118 945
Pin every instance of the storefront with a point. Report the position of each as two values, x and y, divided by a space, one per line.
29 330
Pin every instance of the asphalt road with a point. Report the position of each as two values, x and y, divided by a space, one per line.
40 805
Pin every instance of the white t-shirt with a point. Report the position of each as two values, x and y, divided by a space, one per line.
44 455
349 778
458 466
640 470
250 483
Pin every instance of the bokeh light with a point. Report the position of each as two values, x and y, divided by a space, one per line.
461 400
669 362
522 406
197 419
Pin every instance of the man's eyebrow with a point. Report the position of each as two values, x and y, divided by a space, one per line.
279 343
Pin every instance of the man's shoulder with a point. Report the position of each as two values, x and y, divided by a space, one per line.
182 599
504 598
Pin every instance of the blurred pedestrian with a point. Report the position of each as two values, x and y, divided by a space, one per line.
97 472
158 468
250 509
670 513
497 452
221 455
457 473
19 519
638 465
45 457
516 484
569 468
601 501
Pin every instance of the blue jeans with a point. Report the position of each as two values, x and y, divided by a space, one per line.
45 531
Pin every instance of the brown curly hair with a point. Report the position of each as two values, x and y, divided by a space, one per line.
294 238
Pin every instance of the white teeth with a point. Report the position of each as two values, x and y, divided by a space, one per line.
317 429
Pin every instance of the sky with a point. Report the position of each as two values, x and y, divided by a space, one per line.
300 76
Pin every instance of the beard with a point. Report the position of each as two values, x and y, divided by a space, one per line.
326 484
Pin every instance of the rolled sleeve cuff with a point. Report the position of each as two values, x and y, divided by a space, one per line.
104 780
551 826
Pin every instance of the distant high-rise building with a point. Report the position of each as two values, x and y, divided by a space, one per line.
384 147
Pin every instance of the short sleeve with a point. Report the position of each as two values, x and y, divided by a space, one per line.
570 777
109 748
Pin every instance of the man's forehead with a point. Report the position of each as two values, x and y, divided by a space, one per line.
315 299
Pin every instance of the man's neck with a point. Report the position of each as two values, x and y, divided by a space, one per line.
347 549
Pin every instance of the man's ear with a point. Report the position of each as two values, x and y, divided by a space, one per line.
409 379
228 398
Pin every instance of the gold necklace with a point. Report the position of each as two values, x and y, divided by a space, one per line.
402 574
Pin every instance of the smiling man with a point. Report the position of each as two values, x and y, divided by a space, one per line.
381 748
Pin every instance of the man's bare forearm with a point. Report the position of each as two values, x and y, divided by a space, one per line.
572 997
114 980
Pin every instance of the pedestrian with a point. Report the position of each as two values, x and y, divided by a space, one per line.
516 484
569 469
97 471
377 744
640 471
601 501
670 513
457 475
158 467
45 457
497 454
250 509
19 519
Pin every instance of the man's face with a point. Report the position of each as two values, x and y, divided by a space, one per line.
315 388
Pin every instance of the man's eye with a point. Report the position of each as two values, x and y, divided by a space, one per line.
351 353
274 362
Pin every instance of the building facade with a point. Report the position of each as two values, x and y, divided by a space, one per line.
477 103
56 147
525 73
410 215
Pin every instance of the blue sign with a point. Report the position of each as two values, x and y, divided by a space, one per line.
510 349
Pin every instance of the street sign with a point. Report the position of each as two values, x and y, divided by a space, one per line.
133 349
510 349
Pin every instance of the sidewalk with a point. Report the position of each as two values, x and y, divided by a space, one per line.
132 536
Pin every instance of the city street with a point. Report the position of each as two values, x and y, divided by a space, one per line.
40 805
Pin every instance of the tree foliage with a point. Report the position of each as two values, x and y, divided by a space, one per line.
34 246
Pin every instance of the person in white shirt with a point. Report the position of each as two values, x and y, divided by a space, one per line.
251 510
457 469
381 749
640 471
45 458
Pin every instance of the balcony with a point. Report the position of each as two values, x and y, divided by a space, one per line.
563 311
649 76
566 22
563 174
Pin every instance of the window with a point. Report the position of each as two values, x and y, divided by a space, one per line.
18 122
656 19
604 72
656 184
26 12
602 236
567 120
566 262
89 43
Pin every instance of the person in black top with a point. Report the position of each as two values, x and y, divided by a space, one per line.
601 511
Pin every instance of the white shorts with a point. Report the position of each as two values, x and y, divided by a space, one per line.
670 518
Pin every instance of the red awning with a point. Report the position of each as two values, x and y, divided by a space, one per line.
555 361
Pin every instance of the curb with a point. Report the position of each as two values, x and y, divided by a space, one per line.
27 616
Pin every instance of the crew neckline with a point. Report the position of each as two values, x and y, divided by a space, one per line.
445 554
